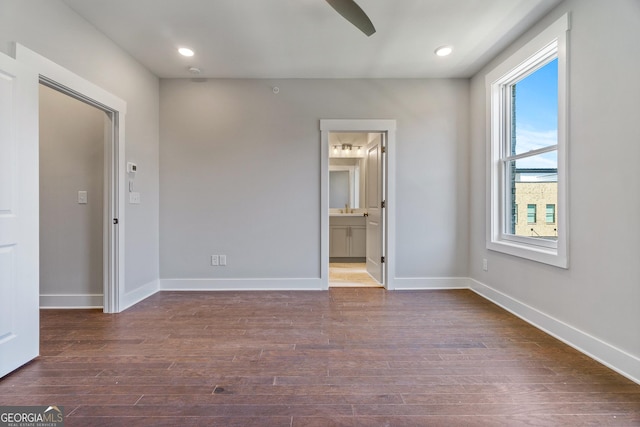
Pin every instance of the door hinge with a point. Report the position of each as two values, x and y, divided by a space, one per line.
382 260
383 204
383 149
115 221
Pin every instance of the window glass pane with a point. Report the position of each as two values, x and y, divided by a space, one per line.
531 214
548 161
533 189
534 110
551 214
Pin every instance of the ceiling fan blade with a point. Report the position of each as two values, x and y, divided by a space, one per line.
350 11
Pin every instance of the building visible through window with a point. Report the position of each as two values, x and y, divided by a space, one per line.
537 189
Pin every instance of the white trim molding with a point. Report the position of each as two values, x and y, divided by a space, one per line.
387 126
431 283
614 358
131 298
550 43
70 301
271 284
114 235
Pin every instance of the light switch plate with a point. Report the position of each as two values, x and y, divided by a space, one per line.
82 197
134 198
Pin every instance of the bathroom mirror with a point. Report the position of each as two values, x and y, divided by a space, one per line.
344 186
347 168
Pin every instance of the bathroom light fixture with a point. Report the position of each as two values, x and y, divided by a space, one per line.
444 51
185 51
359 150
335 149
347 147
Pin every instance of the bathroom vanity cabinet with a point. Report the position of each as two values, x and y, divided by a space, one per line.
347 236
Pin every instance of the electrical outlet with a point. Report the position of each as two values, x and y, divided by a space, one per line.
215 260
223 260
485 264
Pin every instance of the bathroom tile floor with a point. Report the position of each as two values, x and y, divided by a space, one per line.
350 275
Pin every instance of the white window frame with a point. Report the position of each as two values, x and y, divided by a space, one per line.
549 44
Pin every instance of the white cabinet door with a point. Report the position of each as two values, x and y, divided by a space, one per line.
338 241
19 270
358 242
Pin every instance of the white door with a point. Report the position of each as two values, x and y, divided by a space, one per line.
19 296
375 218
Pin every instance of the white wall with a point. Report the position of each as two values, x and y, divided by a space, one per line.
51 29
240 173
71 160
597 300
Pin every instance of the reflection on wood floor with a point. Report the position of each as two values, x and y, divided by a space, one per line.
347 357
350 275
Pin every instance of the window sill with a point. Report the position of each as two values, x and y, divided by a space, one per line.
539 254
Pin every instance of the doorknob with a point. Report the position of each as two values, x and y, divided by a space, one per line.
365 214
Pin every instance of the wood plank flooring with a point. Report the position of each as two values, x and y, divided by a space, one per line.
345 357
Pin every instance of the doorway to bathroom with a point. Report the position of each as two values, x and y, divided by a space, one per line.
355 242
355 189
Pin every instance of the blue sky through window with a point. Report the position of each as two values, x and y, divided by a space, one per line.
537 116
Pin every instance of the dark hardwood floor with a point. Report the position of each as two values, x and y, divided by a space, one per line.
347 357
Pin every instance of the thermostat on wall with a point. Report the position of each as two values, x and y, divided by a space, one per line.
132 167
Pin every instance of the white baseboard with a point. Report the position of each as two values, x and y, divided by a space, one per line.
417 283
241 284
133 297
610 356
67 301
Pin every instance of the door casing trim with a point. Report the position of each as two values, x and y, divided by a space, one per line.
114 238
387 126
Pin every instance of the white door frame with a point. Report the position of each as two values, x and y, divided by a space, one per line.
389 128
71 84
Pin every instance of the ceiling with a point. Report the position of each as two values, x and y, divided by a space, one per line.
308 39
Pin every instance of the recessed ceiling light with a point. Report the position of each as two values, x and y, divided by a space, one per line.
444 50
185 51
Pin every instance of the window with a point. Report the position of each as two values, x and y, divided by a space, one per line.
531 214
551 214
527 120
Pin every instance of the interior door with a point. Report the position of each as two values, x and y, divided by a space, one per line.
19 296
375 218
